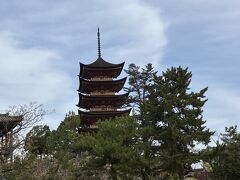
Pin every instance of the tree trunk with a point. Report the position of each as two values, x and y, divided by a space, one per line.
113 174
181 175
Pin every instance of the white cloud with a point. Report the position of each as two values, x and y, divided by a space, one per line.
30 74
130 30
222 108
142 31
39 49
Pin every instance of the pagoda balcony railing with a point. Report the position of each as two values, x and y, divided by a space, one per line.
93 126
102 78
103 109
102 93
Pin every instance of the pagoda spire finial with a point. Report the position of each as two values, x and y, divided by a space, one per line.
99 44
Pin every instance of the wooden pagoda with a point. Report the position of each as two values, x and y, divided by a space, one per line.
98 92
7 124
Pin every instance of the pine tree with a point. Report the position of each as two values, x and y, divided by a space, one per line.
65 136
115 148
176 117
224 158
36 140
139 80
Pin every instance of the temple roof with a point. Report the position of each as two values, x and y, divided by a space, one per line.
100 62
89 101
91 117
7 123
100 67
87 86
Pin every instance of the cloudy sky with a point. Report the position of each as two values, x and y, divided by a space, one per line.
42 43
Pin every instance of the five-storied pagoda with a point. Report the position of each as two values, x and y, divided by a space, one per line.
98 92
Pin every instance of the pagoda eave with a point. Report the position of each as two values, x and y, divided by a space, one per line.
89 118
89 101
100 72
88 71
87 86
100 62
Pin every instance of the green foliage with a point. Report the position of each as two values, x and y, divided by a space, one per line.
225 157
171 117
157 143
63 139
32 168
36 140
139 80
115 147
60 161
176 116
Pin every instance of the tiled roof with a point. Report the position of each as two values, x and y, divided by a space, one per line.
102 63
7 123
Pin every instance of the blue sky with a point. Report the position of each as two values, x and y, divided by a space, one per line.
42 43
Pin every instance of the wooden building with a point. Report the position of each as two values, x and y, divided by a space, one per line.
98 92
7 124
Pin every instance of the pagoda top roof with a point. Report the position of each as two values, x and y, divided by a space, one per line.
101 63
100 67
